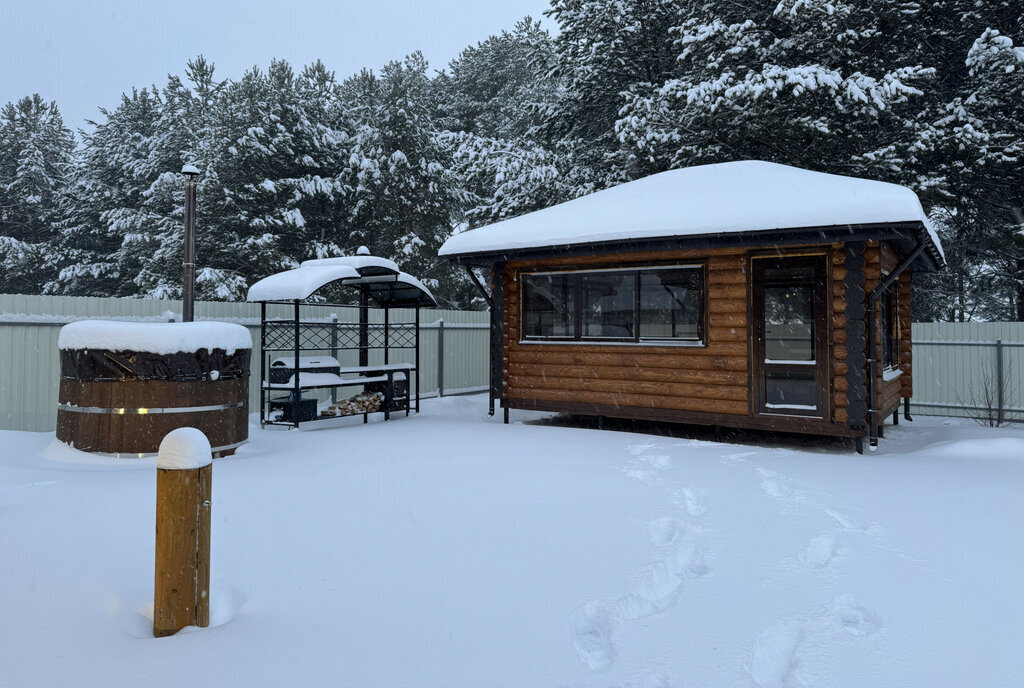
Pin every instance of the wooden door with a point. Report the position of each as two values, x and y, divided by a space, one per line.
790 349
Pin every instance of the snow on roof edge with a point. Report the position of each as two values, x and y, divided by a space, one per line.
358 262
735 197
299 283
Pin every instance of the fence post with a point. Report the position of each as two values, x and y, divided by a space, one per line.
181 594
440 358
999 381
334 351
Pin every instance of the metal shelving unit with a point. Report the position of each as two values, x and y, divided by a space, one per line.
305 333
333 346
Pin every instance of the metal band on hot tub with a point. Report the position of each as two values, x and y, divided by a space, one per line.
148 411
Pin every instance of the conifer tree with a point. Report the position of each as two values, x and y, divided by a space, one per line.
405 197
108 182
36 156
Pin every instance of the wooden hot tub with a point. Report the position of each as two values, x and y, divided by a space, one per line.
124 386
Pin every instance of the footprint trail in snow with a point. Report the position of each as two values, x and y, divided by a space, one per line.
679 558
775 657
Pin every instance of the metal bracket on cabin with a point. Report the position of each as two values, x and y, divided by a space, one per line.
479 285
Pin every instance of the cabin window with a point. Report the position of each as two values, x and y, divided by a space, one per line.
550 301
663 304
609 305
670 303
889 326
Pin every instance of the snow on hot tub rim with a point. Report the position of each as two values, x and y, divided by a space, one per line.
154 338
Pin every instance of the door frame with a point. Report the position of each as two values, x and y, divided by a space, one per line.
759 369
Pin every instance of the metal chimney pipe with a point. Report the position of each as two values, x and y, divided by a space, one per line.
188 289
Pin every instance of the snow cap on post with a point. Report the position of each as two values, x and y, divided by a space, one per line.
362 251
184 449
190 169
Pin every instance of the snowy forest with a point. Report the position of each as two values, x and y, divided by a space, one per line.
298 163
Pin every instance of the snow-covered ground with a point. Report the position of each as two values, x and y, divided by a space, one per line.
450 550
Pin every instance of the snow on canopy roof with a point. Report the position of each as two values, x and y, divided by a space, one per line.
364 265
155 338
298 283
381 277
389 289
744 196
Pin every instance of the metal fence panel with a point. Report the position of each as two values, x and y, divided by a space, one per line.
969 369
956 365
30 326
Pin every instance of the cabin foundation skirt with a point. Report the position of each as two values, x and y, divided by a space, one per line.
124 403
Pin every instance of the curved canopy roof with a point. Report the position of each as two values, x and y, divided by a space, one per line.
394 290
380 278
298 283
708 200
365 265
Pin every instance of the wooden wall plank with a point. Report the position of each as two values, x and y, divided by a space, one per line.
637 400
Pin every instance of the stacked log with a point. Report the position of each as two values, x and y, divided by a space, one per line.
367 402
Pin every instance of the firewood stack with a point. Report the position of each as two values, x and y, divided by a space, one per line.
367 402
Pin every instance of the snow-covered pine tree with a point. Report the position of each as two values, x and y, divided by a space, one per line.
970 151
996 68
819 84
405 196
496 88
284 182
36 157
187 131
108 182
494 100
605 48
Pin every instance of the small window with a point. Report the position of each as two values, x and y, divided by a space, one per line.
633 305
609 305
670 303
889 326
550 301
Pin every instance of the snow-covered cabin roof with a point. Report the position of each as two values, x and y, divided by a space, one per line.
725 198
379 277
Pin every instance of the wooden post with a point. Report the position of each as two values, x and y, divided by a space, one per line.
440 358
183 478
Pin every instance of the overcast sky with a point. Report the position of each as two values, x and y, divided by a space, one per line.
85 54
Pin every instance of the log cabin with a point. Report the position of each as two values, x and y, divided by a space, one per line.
745 294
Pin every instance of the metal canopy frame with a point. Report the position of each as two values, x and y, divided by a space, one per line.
301 332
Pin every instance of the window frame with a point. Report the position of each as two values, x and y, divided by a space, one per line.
889 327
577 316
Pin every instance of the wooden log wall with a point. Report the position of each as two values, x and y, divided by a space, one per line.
838 321
894 390
855 332
713 379
709 379
906 357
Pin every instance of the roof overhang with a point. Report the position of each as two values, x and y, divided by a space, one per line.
903 235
